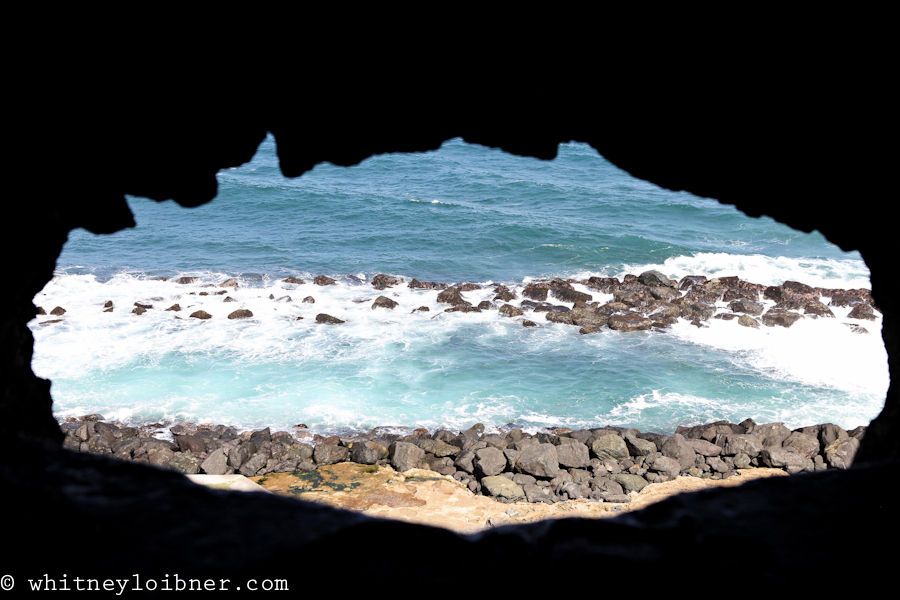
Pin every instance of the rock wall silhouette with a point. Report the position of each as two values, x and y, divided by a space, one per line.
92 517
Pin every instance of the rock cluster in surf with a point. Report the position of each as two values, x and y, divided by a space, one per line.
639 302
602 464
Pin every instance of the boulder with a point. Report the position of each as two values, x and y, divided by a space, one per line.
489 461
748 321
631 483
324 280
771 434
655 278
782 318
323 318
539 460
185 280
174 307
785 458
573 455
814 307
58 311
629 322
330 454
232 283
568 294
511 311
368 452
607 285
406 456
841 452
201 314
742 444
678 448
703 447
609 446
384 302
451 296
501 487
666 465
381 281
241 314
294 280
527 323
747 307
860 311
805 444
184 462
559 317
639 447
216 463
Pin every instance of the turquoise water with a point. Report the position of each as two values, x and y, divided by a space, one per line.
461 213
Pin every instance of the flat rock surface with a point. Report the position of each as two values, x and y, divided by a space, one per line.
428 498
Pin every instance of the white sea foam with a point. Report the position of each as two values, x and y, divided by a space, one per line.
385 367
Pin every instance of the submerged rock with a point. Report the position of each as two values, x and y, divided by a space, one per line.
294 280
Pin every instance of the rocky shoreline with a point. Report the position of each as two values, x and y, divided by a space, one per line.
601 464
639 302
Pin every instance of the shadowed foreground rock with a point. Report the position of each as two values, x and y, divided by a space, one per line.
738 530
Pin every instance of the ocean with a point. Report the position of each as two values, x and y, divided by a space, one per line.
462 213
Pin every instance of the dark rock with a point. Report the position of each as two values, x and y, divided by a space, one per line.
862 311
629 322
406 456
216 463
807 445
381 281
240 314
383 302
841 452
535 292
539 460
631 483
58 311
609 447
655 278
294 280
747 306
689 281
527 323
184 462
814 307
782 318
607 285
469 287
489 461
771 434
703 447
324 280
330 454
185 280
669 466
323 318
201 314
742 444
451 296
678 448
511 311
191 443
175 308
788 459
573 455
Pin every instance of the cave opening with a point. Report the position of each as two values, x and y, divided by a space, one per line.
464 213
